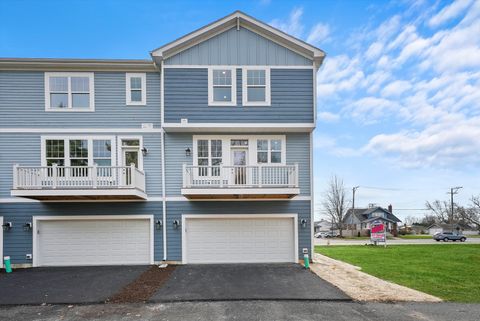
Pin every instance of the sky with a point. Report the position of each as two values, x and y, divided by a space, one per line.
398 94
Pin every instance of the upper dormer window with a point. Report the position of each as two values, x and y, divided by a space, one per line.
136 89
66 91
222 87
256 86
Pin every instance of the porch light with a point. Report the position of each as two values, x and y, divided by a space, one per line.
188 152
144 151
176 224
303 222
27 226
158 224
7 226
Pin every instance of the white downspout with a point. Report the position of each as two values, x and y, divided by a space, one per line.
162 141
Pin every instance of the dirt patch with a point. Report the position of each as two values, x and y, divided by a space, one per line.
141 289
364 287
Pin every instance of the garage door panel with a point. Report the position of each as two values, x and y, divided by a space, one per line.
245 240
93 242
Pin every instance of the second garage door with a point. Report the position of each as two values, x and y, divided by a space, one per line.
239 240
62 242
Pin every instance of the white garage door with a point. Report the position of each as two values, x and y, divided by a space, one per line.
239 240
93 242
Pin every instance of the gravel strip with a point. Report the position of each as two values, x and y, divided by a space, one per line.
142 288
362 286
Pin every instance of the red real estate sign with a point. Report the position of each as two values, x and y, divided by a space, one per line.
378 233
378 228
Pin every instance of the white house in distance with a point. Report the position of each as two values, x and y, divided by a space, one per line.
360 219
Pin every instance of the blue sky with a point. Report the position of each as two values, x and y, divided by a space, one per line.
398 95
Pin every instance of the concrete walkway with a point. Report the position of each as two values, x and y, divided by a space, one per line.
364 287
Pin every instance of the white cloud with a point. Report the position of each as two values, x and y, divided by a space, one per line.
319 33
396 88
328 116
449 12
374 50
293 25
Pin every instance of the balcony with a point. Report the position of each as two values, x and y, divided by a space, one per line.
233 182
79 182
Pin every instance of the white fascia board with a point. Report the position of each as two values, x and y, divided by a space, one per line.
77 192
237 127
240 191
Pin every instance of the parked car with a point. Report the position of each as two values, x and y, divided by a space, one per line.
326 234
449 236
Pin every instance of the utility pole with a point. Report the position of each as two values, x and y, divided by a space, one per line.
453 191
354 189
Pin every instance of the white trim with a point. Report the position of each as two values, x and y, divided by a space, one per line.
164 193
233 86
238 127
268 89
238 66
1 242
66 140
244 216
36 218
80 192
78 130
120 150
91 84
312 201
128 96
241 191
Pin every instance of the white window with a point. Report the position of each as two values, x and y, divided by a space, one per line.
256 86
78 151
222 89
66 91
209 157
270 151
136 89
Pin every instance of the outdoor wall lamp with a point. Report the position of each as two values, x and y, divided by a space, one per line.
144 151
188 152
158 224
27 226
176 224
303 222
7 226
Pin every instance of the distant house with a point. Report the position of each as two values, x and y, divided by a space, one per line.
457 227
361 219
323 226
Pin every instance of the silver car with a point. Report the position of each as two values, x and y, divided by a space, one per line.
449 236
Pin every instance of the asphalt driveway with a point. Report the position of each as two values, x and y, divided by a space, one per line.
65 284
225 282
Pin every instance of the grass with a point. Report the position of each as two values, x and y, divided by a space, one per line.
448 271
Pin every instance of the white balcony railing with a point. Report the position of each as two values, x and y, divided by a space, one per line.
77 177
258 176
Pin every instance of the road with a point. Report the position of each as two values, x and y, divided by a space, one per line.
248 310
392 242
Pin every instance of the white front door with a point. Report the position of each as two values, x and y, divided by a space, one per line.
112 241
240 171
239 240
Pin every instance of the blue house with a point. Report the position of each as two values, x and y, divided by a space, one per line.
202 154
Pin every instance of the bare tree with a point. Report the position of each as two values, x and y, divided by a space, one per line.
471 215
410 220
439 209
428 219
335 203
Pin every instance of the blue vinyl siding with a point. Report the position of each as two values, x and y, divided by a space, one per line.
17 242
297 149
176 209
186 96
25 149
22 103
238 47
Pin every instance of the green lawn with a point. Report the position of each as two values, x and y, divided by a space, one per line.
449 271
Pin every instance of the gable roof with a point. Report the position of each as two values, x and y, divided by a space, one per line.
362 214
238 19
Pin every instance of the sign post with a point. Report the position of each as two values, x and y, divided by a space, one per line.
378 232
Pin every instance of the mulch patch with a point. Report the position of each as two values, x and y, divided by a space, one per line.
144 286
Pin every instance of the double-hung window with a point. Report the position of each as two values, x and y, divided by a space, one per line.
209 157
66 91
256 86
270 151
222 87
136 89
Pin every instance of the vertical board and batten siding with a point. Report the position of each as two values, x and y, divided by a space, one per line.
17 242
22 103
238 47
186 96
25 150
297 150
175 210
